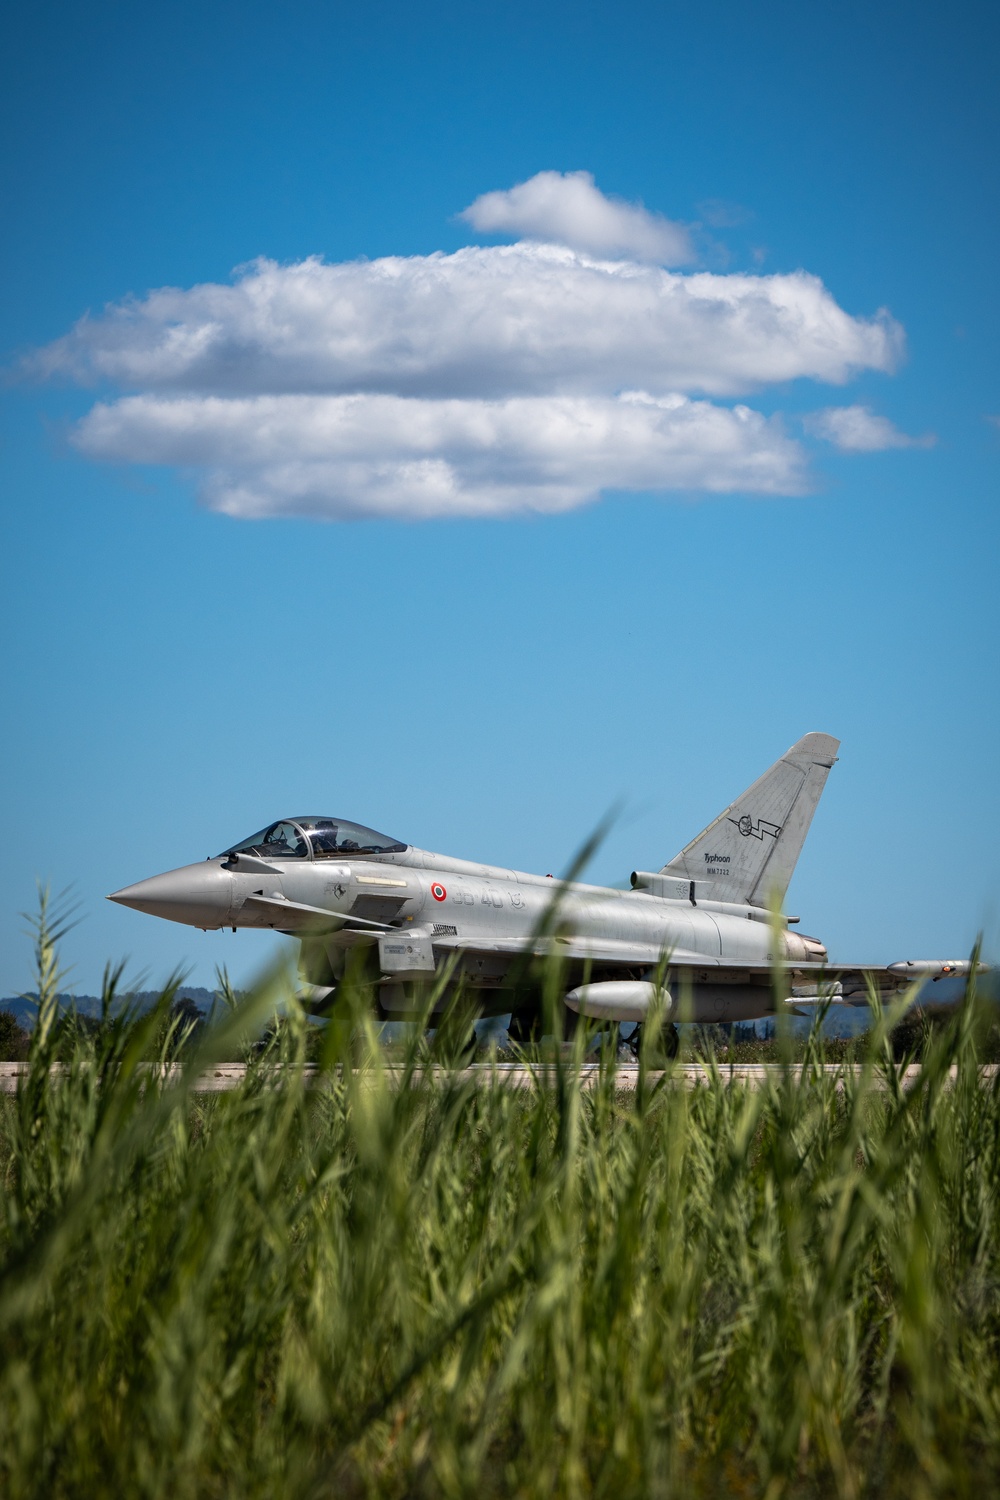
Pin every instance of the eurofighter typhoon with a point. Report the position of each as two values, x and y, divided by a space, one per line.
697 938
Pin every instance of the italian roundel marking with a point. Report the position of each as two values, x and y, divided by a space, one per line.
438 891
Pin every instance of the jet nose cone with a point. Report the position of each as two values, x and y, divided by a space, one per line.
199 895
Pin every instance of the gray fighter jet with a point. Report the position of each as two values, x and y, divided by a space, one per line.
697 938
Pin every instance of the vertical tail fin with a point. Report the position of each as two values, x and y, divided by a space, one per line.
749 852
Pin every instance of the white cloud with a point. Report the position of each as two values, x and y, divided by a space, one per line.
857 429
507 320
343 456
489 381
567 208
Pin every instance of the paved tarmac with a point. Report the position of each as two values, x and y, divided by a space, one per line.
229 1076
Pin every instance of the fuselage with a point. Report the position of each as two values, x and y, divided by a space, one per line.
455 904
697 939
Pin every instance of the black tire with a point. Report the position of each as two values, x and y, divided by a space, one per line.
670 1041
525 1027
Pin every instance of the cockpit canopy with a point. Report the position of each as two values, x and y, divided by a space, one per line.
315 838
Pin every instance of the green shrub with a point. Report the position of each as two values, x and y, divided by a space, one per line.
13 1038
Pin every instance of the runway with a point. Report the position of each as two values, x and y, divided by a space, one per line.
228 1076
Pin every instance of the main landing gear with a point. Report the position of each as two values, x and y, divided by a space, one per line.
669 1040
526 1028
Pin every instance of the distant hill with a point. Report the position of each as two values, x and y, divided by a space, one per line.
24 1006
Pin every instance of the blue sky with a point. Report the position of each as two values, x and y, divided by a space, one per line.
175 676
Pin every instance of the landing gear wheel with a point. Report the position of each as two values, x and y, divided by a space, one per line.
524 1027
670 1041
527 1027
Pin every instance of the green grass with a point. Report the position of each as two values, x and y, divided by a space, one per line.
357 1288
